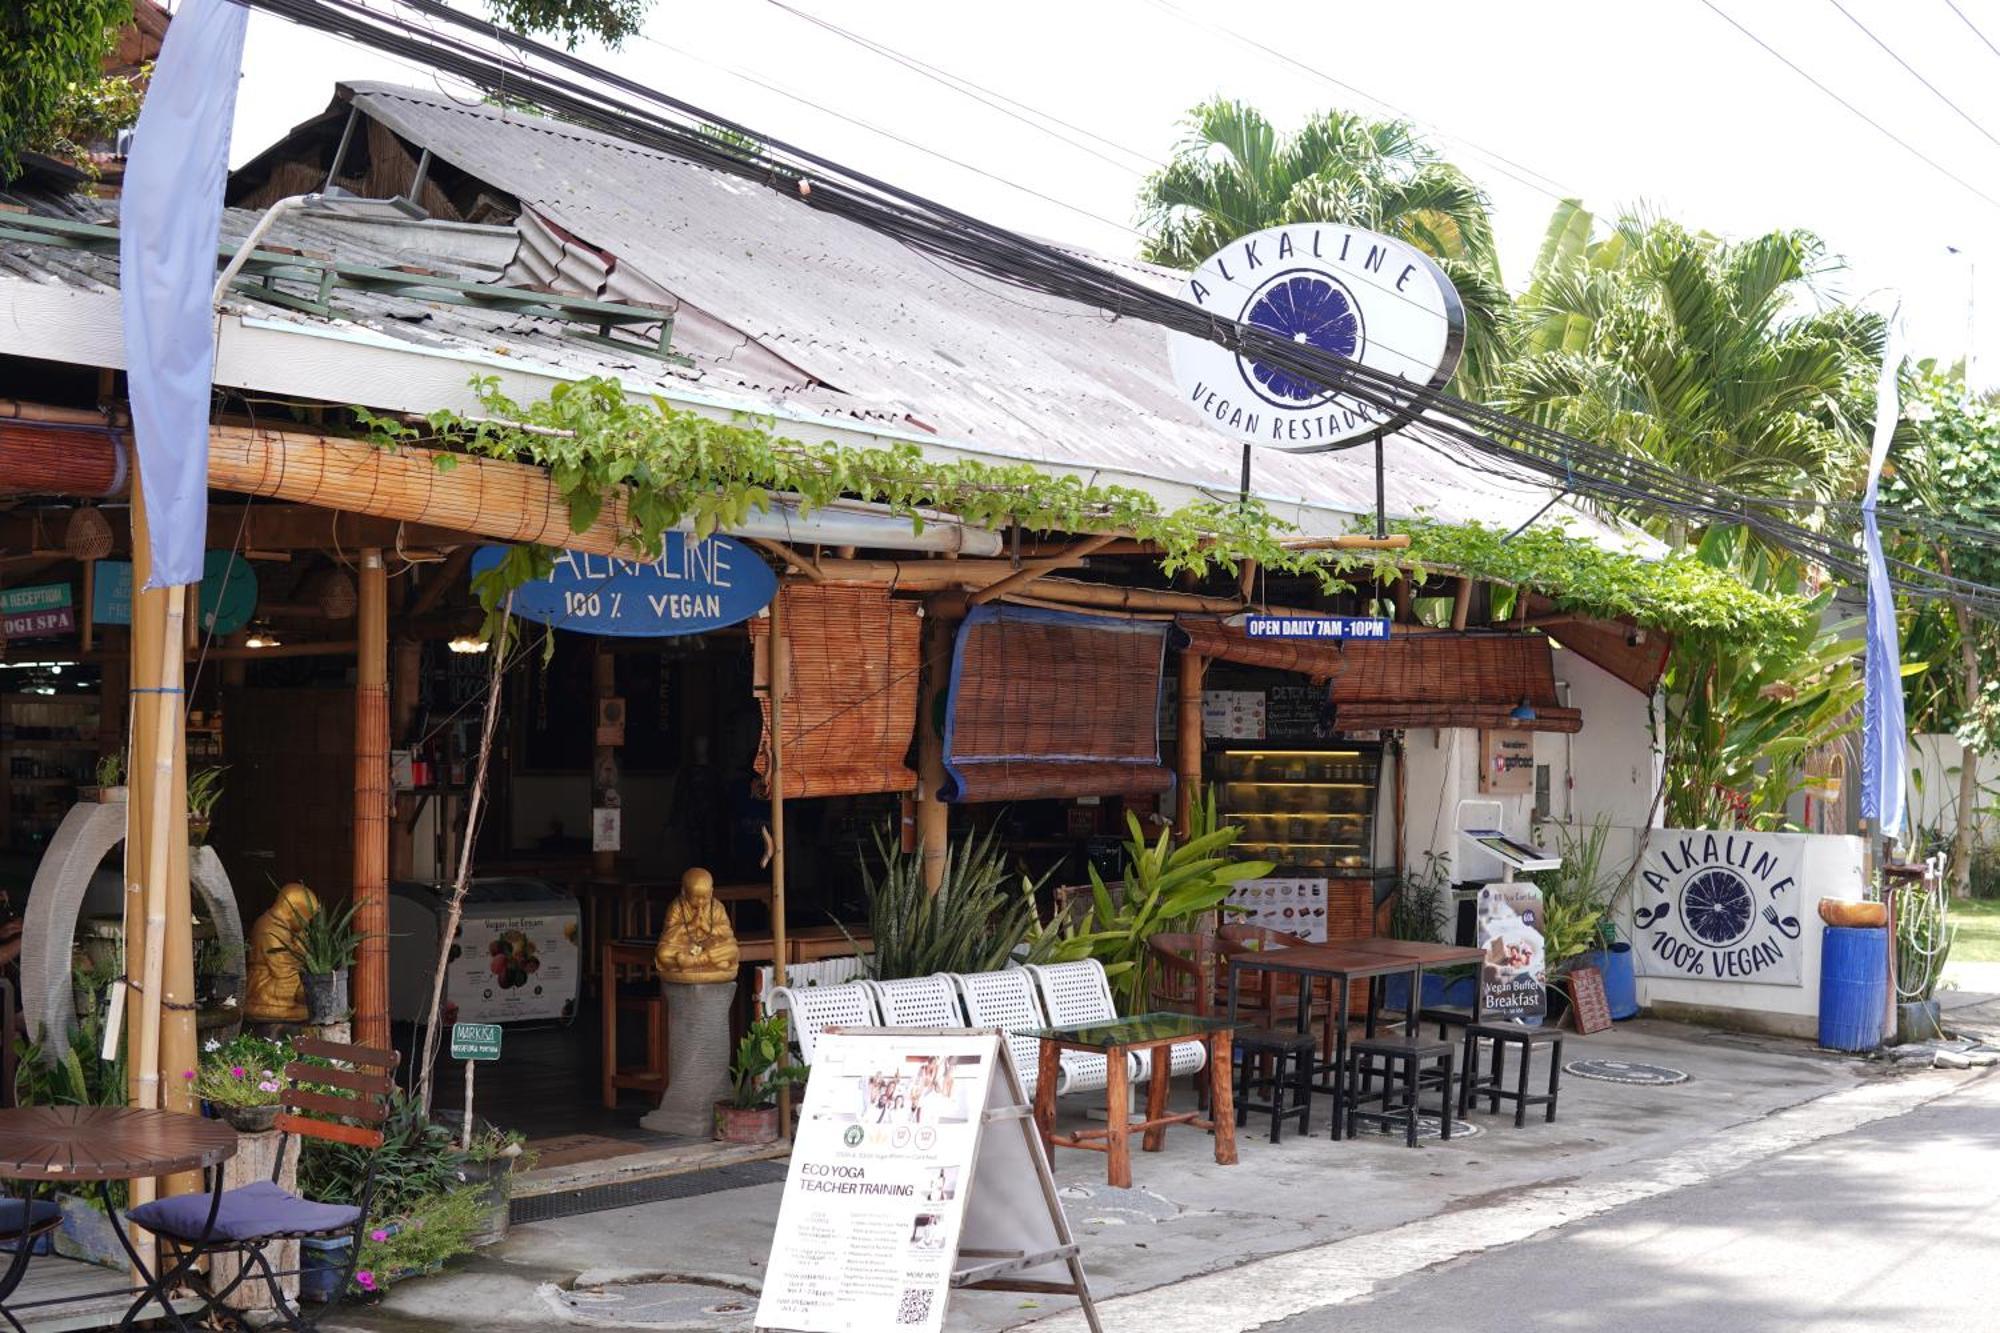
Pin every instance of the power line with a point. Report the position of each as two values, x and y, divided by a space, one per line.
1935 91
1953 6
1879 127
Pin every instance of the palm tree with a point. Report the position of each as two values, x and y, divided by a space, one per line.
1233 174
1725 360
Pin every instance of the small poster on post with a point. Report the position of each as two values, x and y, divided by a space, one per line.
1515 966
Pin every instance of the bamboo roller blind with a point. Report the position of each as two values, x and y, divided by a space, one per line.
850 690
1052 704
1417 680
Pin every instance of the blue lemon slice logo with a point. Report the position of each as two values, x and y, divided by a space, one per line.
1717 907
1308 308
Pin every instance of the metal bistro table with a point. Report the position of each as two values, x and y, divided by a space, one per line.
1348 961
1114 1039
45 1145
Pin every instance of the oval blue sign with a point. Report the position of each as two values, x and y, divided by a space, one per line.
695 586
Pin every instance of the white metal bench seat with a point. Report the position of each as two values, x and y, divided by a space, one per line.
1081 993
814 1009
1007 1000
918 1002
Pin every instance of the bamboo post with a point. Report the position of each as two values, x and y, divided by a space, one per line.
774 676
1189 718
371 802
604 758
405 670
933 816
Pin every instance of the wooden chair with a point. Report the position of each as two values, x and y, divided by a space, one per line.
1185 968
347 1104
629 986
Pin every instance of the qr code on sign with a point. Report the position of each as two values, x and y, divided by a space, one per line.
916 1306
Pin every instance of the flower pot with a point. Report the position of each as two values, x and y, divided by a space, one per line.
321 1262
493 1181
108 795
326 996
736 1124
249 1119
87 1234
1918 1021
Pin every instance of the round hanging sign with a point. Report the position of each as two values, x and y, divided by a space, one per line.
696 585
1356 294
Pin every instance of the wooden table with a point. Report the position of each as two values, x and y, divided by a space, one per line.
1367 959
1114 1040
97 1145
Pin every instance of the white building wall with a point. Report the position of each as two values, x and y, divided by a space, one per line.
1933 797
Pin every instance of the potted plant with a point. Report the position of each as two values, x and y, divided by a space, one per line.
1419 913
110 775
241 1080
491 1158
324 945
1924 935
204 789
416 1165
761 1066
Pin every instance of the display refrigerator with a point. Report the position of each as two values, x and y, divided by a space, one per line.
1310 811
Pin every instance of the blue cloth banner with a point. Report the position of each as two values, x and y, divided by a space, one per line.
1884 732
169 227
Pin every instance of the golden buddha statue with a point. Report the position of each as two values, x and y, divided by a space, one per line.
276 995
696 943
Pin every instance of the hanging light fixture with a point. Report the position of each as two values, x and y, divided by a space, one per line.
262 636
1523 711
467 643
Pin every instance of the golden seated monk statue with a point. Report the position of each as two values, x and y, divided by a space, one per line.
696 943
276 994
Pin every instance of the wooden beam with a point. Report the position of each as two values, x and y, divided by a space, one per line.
263 527
789 556
371 801
1034 569
440 581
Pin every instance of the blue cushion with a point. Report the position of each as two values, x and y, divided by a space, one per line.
17 1215
248 1213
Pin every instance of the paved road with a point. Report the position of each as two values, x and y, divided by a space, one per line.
1894 1228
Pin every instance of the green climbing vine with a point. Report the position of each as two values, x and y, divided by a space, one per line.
680 466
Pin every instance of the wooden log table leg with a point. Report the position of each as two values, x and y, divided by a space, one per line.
1047 1070
1156 1096
1222 1101
1118 1106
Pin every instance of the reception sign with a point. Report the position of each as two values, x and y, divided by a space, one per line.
1715 906
227 600
38 611
697 584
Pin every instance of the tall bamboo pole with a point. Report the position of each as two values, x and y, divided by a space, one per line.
933 816
774 676
371 802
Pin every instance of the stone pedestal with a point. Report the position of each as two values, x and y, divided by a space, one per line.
697 1058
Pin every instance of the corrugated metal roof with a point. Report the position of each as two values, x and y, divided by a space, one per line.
901 336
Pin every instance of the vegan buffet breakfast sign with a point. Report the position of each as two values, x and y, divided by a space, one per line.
695 585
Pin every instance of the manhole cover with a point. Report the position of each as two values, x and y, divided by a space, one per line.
696 1307
1428 1127
1624 1071
1107 1205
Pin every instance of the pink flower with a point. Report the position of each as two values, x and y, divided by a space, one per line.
236 1071
365 1279
378 1235
188 1074
267 1086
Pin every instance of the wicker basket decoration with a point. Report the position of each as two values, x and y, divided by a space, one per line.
1053 704
850 690
1417 680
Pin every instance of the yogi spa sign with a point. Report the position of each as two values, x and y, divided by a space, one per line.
1351 293
1719 907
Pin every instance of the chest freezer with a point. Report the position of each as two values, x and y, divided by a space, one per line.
516 958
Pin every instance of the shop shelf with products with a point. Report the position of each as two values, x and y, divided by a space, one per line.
1310 810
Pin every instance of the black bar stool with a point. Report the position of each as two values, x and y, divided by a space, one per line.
1407 1068
1492 1084
1280 1065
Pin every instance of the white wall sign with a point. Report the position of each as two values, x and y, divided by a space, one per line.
1362 296
1719 907
893 1174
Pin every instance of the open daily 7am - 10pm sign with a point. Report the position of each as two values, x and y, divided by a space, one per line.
697 584
1316 627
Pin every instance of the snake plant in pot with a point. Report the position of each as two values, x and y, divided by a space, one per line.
323 946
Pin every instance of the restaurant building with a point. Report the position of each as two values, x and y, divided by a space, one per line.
938 681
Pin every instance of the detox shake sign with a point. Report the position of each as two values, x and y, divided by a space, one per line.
1716 906
696 585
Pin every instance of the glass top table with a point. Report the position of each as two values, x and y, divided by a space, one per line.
1137 1030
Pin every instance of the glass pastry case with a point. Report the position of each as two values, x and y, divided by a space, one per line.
1306 809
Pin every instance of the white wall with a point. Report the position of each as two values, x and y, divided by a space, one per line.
1934 762
1830 867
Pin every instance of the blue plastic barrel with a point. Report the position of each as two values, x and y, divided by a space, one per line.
1621 985
1853 987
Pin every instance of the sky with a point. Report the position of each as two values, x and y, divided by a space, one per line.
1660 105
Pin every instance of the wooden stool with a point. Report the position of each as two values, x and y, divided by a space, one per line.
640 995
1446 1016
1492 1086
1281 1064
1415 1064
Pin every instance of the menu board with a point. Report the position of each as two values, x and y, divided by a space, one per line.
1515 965
1295 906
1233 715
1298 713
1587 1002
